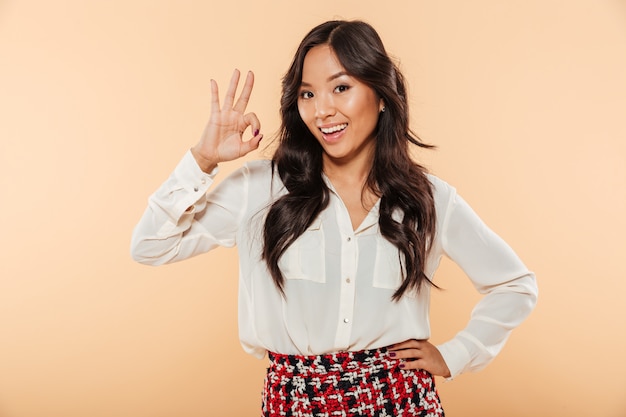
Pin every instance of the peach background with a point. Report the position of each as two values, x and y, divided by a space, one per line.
99 100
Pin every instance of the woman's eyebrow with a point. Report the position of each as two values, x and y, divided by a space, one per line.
329 79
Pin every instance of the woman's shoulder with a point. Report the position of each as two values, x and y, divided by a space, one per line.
445 195
262 162
441 188
258 166
259 173
254 168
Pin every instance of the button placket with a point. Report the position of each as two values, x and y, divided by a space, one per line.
349 259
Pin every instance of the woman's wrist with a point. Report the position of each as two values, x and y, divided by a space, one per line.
206 165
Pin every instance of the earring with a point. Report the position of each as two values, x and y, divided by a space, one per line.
383 109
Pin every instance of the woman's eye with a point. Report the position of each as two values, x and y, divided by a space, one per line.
341 88
306 94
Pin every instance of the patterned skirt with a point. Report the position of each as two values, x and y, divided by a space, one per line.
348 384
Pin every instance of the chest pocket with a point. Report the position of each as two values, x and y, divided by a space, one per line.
305 259
387 272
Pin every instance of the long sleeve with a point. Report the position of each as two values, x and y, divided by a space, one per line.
181 222
509 288
189 215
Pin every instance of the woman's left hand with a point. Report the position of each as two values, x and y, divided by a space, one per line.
420 354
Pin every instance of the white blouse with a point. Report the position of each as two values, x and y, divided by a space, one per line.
338 281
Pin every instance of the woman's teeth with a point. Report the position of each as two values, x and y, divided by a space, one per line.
329 130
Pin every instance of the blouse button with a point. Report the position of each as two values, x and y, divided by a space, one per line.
195 189
349 239
348 280
346 321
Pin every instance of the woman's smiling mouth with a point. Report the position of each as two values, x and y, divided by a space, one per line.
333 129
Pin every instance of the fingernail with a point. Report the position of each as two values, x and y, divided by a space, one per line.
392 354
402 365
256 132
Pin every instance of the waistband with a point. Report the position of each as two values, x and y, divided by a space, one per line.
344 361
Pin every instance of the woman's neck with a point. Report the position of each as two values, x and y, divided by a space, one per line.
353 172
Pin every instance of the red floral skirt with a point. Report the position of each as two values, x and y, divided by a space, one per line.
348 384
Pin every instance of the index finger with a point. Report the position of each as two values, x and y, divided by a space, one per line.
244 97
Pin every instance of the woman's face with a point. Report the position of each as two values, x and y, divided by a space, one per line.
339 110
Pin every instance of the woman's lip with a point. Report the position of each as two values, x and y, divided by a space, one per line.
333 137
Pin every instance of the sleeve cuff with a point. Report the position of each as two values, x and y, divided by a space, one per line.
189 173
456 356
191 185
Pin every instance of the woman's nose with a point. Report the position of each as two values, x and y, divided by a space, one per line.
324 107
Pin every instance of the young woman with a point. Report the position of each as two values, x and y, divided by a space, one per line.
339 237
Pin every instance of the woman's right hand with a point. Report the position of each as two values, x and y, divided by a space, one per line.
222 139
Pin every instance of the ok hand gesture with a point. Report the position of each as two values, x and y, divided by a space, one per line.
222 139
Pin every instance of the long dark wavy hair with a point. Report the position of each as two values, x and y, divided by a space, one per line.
399 181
